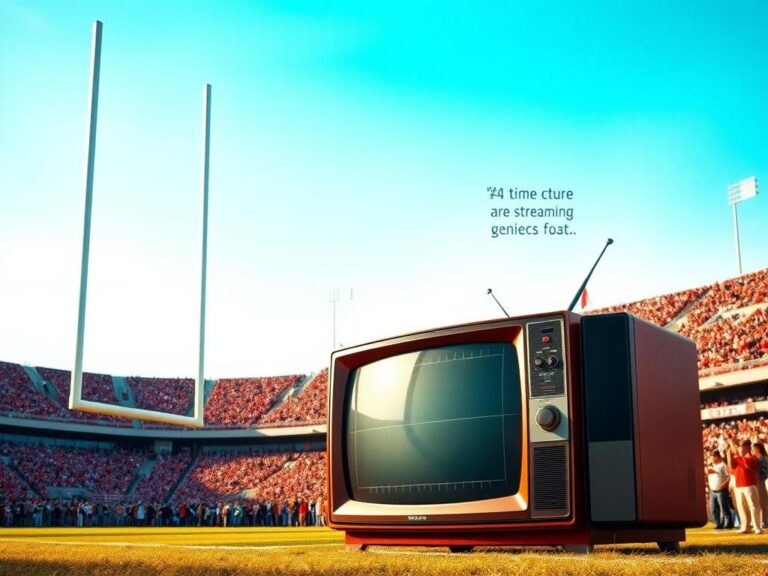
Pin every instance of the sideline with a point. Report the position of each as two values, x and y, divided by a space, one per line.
162 545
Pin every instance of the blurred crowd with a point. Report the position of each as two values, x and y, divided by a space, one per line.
243 401
220 489
309 406
295 511
173 395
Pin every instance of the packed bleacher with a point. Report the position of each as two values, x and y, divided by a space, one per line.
166 473
729 295
218 476
304 476
222 488
97 471
308 406
728 320
716 435
173 395
660 310
19 397
96 387
11 486
243 401
732 341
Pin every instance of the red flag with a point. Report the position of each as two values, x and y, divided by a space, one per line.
584 298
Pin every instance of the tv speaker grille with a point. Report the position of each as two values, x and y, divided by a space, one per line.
550 478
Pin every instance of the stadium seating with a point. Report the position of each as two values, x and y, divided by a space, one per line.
241 402
172 395
220 476
97 387
304 478
660 310
164 476
11 486
19 398
98 471
309 406
728 338
716 435
732 340
729 295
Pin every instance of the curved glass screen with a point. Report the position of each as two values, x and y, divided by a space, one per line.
435 426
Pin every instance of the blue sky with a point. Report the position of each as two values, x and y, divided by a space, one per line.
352 145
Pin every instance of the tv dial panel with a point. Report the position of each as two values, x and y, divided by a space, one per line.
548 398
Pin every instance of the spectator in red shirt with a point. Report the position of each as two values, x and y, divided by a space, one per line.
745 468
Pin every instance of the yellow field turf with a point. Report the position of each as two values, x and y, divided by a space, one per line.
241 551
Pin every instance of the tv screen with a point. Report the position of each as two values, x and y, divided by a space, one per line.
435 426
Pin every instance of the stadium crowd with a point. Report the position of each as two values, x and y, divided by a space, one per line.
19 397
308 406
736 465
96 387
732 340
99 471
660 310
228 489
172 395
729 295
727 338
217 475
36 512
165 475
243 401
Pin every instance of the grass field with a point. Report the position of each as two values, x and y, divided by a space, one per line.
293 551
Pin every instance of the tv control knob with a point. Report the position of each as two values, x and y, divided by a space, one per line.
552 361
548 418
538 361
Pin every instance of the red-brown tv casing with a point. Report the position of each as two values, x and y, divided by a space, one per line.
632 467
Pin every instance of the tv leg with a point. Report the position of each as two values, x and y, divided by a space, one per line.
579 548
356 547
669 547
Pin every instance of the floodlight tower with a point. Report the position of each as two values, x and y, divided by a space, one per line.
738 192
334 298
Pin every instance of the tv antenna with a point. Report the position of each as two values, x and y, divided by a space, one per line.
497 302
584 284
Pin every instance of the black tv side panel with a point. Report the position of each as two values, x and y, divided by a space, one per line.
608 382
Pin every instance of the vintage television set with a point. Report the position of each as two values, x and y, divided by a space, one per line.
549 429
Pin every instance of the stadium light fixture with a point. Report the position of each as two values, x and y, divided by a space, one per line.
738 192
334 298
76 401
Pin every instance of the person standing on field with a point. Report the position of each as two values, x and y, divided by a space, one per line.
745 466
758 451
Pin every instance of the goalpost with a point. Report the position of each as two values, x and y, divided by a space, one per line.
76 401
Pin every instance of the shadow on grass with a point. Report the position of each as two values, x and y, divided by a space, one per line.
47 568
741 548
